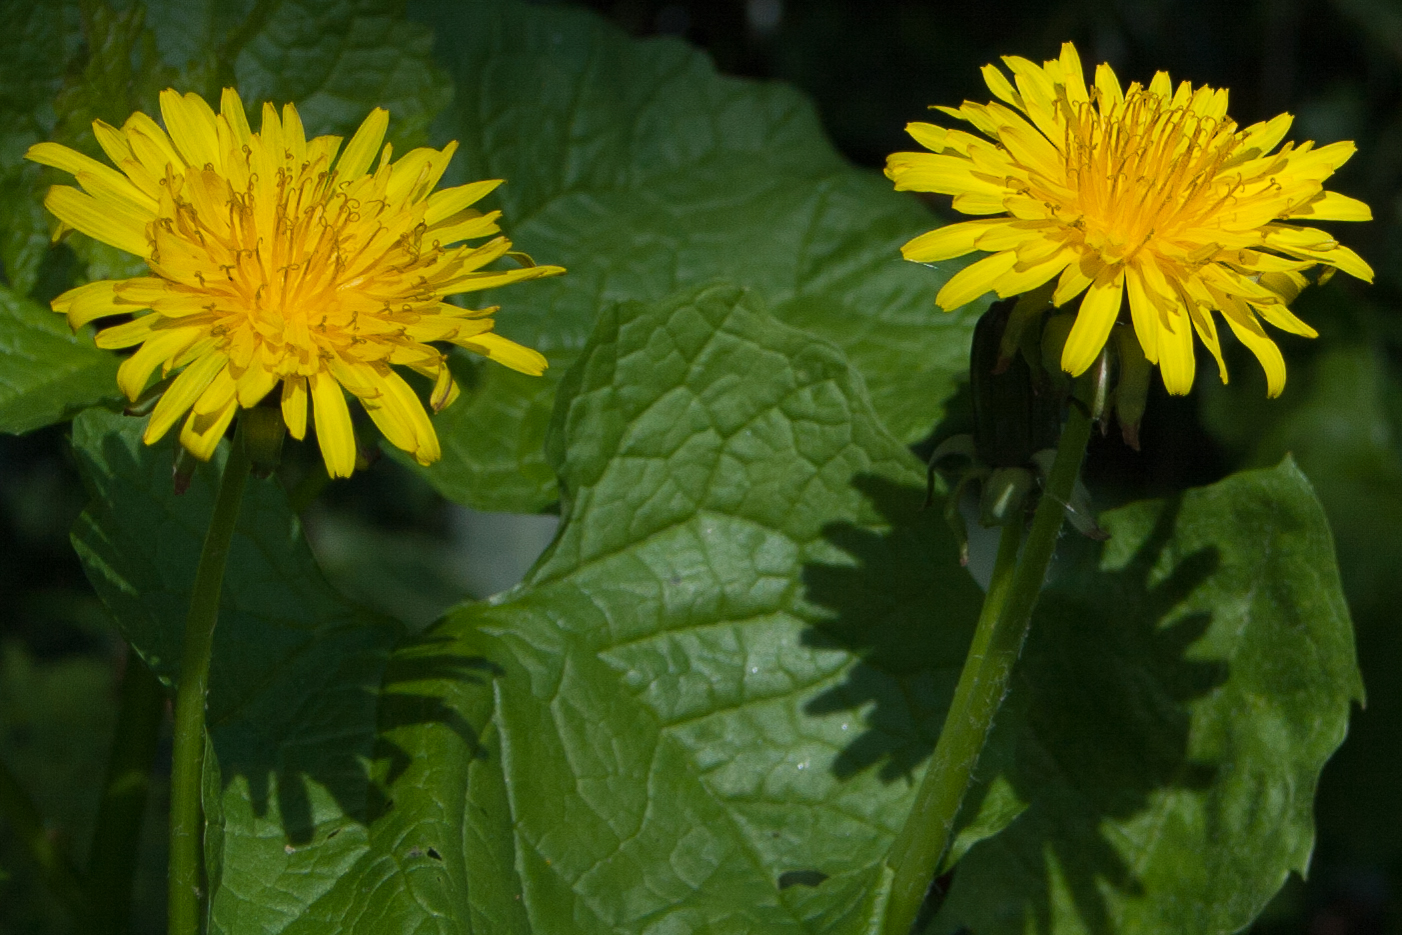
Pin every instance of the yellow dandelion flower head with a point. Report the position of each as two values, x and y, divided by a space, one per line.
273 261
1151 191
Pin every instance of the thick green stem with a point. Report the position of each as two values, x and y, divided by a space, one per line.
1002 627
117 836
183 899
59 875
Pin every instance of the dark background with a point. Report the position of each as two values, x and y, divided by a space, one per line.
871 67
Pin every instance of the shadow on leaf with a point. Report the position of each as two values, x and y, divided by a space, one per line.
306 689
1096 723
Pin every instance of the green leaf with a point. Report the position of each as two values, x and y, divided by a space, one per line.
703 707
642 171
294 678
1340 417
35 44
1178 697
707 705
49 373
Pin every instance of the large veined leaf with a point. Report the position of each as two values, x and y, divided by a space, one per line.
1175 705
49 373
707 706
668 723
641 170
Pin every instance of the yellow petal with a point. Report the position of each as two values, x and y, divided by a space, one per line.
401 417
106 178
253 384
1143 312
471 282
1331 206
1076 278
448 202
231 109
952 240
928 135
1107 86
113 142
1249 332
1027 276
1000 86
445 388
1284 319
974 280
181 395
137 369
294 136
127 334
151 145
219 394
1094 319
201 433
506 352
1206 329
355 161
466 229
333 425
1073 74
108 222
192 128
1176 362
294 405
88 302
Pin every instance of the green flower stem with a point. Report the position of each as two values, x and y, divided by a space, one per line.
187 769
1002 627
58 873
117 836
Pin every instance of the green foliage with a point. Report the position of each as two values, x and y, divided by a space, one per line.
296 667
639 169
705 705
49 373
54 720
1176 702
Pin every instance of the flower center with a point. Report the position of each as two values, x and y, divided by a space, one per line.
1144 170
294 266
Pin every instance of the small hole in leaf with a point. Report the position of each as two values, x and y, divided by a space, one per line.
801 878
434 854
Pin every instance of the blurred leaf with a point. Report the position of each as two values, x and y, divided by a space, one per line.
49 373
1178 698
641 170
1340 419
36 41
55 721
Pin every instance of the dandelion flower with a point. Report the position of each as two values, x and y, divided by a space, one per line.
1150 191
274 262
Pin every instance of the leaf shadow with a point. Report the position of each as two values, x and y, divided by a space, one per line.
336 736
306 688
1096 722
